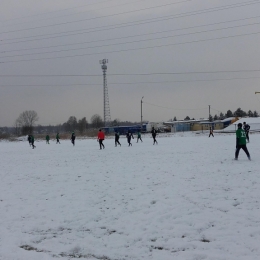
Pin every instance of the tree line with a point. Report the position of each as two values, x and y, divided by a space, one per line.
237 113
26 124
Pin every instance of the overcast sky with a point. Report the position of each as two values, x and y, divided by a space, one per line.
192 53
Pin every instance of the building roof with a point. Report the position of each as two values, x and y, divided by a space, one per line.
228 119
185 121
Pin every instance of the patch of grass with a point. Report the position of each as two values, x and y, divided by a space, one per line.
204 240
84 256
31 248
158 247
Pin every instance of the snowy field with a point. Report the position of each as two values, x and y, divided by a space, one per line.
185 198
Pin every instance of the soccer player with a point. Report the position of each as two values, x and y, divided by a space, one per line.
129 135
73 137
154 133
58 138
241 142
139 136
117 139
246 128
101 138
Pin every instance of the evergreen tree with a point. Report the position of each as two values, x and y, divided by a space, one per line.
175 119
240 113
250 113
229 113
215 117
187 118
255 114
115 122
221 116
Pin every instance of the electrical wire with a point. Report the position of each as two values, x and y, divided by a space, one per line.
132 49
174 108
136 74
56 11
136 41
215 109
131 36
98 9
116 26
98 17
128 83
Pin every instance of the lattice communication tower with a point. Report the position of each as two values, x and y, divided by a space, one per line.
107 117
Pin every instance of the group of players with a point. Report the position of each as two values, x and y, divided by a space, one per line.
242 137
129 137
100 138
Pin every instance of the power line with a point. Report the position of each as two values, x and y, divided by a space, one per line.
127 83
50 85
174 108
136 74
99 17
133 49
116 26
136 41
131 36
216 110
98 9
50 12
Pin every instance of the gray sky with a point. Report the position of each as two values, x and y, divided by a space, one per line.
166 40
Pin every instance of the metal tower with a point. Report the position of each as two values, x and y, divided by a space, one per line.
107 117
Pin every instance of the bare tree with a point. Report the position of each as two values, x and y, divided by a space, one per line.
96 121
17 128
72 123
82 125
115 122
26 121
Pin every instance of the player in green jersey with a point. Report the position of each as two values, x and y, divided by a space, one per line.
241 141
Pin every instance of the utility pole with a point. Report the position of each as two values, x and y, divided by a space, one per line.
142 114
209 111
107 117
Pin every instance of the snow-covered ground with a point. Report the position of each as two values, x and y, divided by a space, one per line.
185 198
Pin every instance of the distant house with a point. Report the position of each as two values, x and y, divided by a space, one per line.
218 125
122 130
182 125
178 126
205 125
228 121
200 124
158 126
197 126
